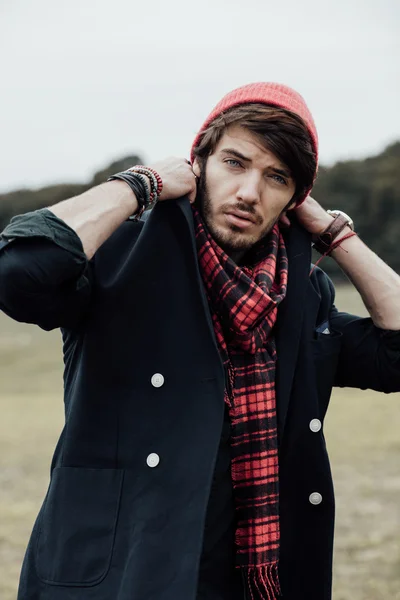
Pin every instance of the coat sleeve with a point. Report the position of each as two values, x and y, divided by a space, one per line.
369 357
45 276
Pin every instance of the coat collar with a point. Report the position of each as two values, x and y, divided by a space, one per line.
291 314
291 310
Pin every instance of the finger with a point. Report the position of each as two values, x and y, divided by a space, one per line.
192 194
284 220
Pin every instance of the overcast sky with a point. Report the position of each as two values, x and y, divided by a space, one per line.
84 82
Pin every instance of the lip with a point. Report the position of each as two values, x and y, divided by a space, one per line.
241 214
238 220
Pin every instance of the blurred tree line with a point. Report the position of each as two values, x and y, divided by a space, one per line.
368 190
25 200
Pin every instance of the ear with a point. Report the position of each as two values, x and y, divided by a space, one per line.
292 205
196 168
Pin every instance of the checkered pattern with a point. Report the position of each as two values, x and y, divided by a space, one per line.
244 303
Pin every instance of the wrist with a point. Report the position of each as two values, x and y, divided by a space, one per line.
322 224
344 235
345 232
325 223
125 196
337 226
145 184
137 182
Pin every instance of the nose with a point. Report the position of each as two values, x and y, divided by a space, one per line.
249 188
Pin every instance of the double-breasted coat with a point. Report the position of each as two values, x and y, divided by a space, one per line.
124 514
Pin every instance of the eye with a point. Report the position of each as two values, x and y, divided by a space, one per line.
233 163
279 179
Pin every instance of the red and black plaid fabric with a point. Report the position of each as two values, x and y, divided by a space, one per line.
244 303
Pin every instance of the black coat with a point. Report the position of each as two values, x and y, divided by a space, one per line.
112 527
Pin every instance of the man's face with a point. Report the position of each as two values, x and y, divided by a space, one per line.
244 190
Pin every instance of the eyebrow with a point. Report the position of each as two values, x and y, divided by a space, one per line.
233 152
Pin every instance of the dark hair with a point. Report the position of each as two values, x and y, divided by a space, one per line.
282 132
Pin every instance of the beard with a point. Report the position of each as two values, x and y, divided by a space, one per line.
231 239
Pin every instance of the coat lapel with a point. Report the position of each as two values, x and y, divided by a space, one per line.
290 316
185 207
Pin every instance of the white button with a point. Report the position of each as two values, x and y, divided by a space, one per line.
315 425
315 498
157 380
153 459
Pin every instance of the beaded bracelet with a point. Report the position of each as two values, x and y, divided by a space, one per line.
152 178
159 180
153 175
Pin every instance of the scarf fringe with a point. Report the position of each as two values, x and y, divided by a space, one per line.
263 583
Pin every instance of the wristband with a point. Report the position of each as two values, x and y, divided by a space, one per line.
152 179
333 247
153 175
139 187
324 240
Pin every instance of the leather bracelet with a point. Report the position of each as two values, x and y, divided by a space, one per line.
324 240
333 247
139 187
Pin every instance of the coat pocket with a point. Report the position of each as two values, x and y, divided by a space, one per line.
77 526
327 345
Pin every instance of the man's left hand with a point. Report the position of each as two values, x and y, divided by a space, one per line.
311 216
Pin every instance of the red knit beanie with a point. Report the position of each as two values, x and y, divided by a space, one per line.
274 94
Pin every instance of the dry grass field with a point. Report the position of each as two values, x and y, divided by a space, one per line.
363 435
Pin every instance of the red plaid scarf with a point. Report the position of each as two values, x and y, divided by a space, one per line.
244 304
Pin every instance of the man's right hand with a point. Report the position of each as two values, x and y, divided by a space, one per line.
177 177
96 214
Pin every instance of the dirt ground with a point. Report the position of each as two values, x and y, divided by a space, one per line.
363 437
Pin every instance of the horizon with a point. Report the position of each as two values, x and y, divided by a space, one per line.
117 159
82 88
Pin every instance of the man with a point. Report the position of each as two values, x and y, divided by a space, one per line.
200 354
